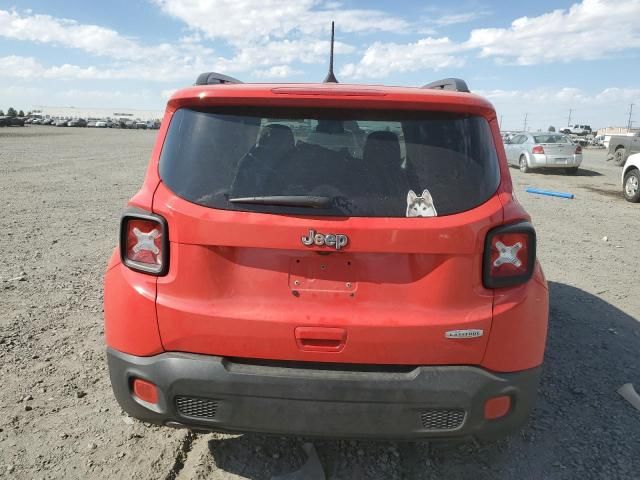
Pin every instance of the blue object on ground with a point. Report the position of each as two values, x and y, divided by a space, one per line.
550 193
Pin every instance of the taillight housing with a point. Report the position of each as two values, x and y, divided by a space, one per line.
578 150
144 242
538 149
509 255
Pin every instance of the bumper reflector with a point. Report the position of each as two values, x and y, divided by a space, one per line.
497 407
145 391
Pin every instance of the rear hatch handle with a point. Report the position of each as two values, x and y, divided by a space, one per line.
320 339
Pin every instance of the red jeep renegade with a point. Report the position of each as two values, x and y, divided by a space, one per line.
327 259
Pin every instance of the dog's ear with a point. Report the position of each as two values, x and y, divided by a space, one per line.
411 196
427 196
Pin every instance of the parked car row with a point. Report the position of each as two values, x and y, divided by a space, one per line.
11 121
94 123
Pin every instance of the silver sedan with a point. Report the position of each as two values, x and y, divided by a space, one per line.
543 150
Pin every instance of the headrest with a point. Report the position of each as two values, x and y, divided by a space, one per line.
382 145
276 135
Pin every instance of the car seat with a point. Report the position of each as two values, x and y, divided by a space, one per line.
256 168
383 164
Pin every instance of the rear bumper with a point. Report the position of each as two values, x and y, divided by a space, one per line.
215 393
549 161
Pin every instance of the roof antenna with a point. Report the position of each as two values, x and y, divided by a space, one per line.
331 78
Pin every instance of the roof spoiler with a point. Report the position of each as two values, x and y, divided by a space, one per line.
454 84
213 78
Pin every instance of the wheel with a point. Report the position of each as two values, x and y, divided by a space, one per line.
571 170
619 157
631 186
524 168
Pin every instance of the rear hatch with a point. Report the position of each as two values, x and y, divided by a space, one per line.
327 235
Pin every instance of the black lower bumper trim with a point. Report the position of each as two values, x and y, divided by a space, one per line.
214 393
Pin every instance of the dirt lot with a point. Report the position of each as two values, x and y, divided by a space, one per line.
62 191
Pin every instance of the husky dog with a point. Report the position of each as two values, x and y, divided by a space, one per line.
420 206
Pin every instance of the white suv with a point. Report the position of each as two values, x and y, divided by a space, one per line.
631 179
577 129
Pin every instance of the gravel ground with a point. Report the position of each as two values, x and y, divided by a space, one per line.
62 191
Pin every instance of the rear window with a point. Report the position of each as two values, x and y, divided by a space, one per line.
550 139
363 163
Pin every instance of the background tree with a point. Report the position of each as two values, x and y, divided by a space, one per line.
1 113
21 113
12 112
552 129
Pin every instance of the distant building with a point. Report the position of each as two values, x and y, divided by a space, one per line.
617 131
86 113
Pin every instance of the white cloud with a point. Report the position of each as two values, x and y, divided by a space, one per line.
129 58
587 30
28 68
245 21
163 62
614 94
69 33
382 59
98 41
539 95
568 96
457 18
263 64
281 52
267 35
276 72
14 66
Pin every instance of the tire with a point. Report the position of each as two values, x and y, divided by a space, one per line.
619 157
631 186
524 168
571 170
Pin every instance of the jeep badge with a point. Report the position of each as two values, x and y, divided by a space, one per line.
334 240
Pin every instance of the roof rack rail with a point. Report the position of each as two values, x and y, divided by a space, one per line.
455 84
213 78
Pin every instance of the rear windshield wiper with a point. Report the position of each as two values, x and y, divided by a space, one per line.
307 201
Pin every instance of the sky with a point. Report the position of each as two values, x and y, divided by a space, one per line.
534 59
